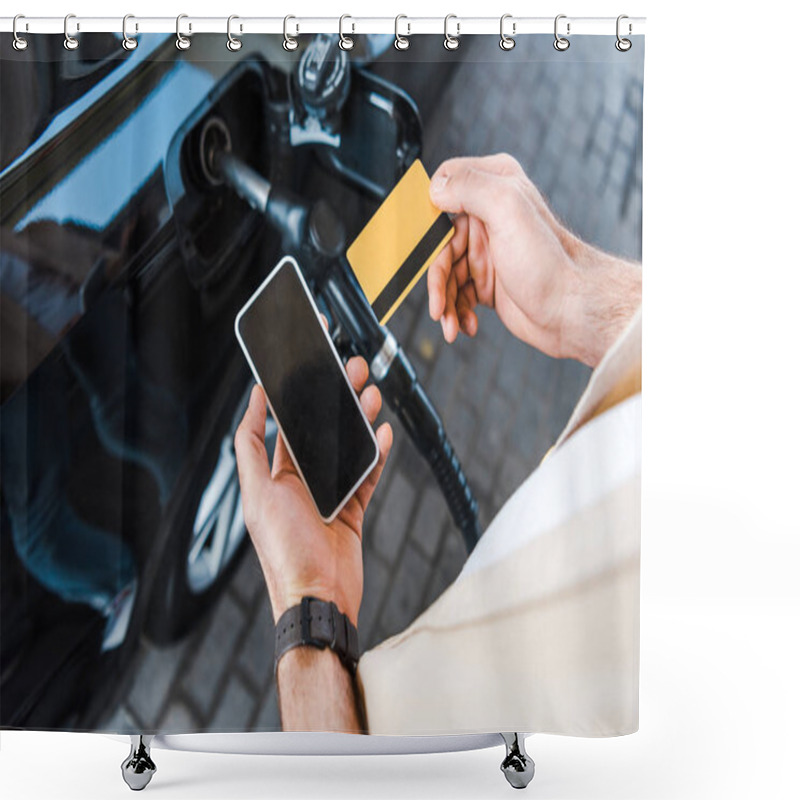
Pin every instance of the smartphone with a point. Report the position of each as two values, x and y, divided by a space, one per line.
292 356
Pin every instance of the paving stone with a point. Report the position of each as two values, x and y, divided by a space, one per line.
480 474
178 718
395 510
452 556
258 650
426 528
491 330
478 378
594 171
269 718
427 341
603 137
235 708
376 583
248 581
210 661
120 722
155 675
545 172
628 131
444 378
407 594
439 582
401 324
461 427
513 472
493 427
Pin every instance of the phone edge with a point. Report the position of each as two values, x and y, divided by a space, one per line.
291 260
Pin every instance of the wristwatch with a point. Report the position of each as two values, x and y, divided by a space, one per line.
320 624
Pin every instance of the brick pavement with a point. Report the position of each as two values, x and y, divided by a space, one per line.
574 124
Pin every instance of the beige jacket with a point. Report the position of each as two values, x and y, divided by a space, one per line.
540 631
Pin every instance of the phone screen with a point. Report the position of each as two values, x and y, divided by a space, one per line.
313 402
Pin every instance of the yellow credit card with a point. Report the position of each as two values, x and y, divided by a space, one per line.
399 243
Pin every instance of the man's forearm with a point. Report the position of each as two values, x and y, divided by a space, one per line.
606 295
317 693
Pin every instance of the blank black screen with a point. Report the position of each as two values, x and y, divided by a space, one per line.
308 392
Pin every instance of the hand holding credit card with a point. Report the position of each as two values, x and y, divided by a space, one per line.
399 243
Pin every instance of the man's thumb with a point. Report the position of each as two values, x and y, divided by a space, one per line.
251 455
457 188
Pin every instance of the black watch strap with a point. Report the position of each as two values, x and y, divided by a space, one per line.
318 623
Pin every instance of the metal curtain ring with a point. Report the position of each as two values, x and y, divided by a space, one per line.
128 42
507 42
451 42
561 43
70 42
289 43
345 42
182 42
401 42
623 45
233 44
19 43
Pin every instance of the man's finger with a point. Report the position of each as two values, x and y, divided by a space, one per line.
252 460
501 164
439 270
438 273
281 460
450 316
467 319
385 437
460 186
371 402
357 372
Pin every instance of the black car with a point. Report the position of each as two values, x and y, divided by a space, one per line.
123 262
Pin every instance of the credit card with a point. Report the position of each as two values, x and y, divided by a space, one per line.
399 243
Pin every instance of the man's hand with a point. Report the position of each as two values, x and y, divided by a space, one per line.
510 253
299 553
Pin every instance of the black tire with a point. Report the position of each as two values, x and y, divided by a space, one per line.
175 606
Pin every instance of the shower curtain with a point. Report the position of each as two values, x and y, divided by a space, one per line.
497 577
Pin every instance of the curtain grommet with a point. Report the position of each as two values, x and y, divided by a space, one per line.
507 42
561 43
182 42
451 42
623 45
346 42
19 43
401 42
70 42
289 42
233 44
128 42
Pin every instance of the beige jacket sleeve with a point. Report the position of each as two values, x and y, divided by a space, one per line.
540 632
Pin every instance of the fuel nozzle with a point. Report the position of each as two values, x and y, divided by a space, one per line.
307 229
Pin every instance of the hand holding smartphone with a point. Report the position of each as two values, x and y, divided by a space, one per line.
292 356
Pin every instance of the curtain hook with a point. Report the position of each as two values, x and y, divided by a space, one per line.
451 42
401 42
561 43
70 42
345 42
19 43
233 44
623 45
128 42
182 42
507 42
289 42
